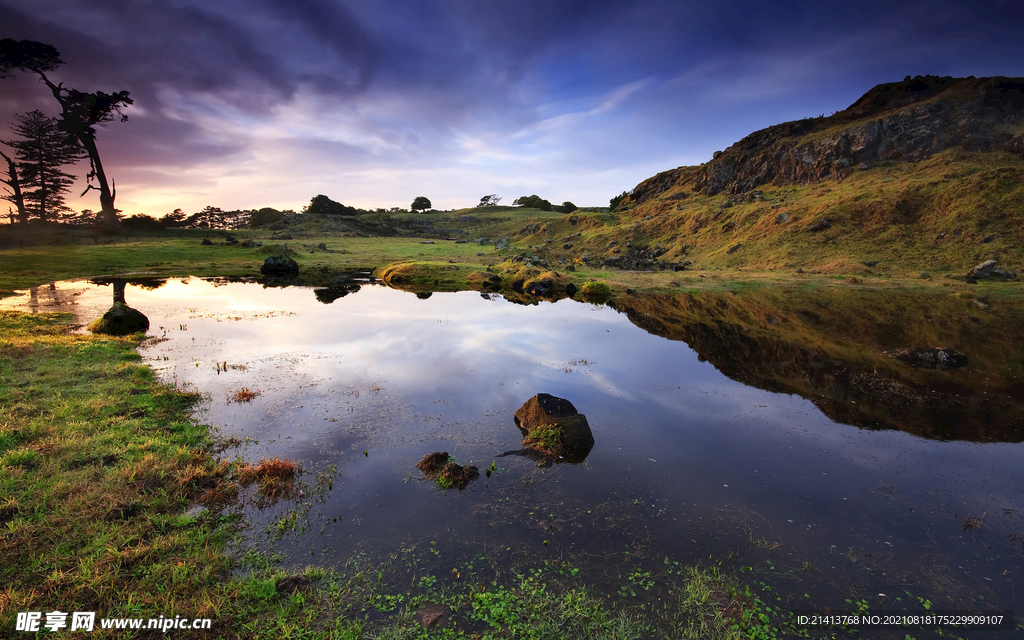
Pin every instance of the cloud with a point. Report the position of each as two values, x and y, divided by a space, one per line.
572 100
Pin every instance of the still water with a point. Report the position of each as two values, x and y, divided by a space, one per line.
689 463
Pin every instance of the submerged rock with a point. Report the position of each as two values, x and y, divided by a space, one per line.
929 357
120 320
438 467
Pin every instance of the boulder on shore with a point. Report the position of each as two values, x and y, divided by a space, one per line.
120 320
279 265
929 357
982 270
553 427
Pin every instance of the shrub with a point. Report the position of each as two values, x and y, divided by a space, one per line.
265 216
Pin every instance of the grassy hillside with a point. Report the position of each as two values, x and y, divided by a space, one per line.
940 215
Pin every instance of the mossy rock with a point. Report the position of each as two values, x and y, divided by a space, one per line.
552 426
440 468
120 320
594 291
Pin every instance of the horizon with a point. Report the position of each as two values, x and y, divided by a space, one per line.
249 106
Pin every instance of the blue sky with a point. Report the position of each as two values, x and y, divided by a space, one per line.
251 103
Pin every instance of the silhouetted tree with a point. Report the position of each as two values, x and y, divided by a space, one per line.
323 205
80 111
175 218
490 201
14 185
41 153
421 203
568 207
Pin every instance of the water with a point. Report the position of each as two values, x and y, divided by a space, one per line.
689 463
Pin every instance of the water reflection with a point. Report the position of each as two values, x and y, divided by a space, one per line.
827 346
726 413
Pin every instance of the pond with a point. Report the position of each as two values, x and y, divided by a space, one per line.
749 429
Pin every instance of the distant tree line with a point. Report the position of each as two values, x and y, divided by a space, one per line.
536 202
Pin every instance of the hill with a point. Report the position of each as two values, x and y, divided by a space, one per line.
921 175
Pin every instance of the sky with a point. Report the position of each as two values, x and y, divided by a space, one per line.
243 104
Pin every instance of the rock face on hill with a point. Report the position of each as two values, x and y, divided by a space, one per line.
908 120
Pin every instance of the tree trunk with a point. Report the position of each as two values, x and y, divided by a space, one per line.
108 215
119 285
15 185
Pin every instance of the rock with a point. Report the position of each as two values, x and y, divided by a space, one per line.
552 426
439 468
230 239
502 244
818 225
279 266
206 242
870 263
481 241
282 236
539 288
479 253
782 218
120 320
426 242
251 244
988 239
982 270
925 275
573 220
734 248
567 246
570 289
1005 274
929 357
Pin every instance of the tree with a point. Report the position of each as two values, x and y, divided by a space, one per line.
173 219
490 201
533 202
568 207
614 202
42 152
322 205
80 111
14 184
421 203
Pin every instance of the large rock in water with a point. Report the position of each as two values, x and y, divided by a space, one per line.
120 320
279 266
553 426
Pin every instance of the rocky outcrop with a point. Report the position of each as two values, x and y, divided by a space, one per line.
907 120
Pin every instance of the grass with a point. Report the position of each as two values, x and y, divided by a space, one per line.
98 465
